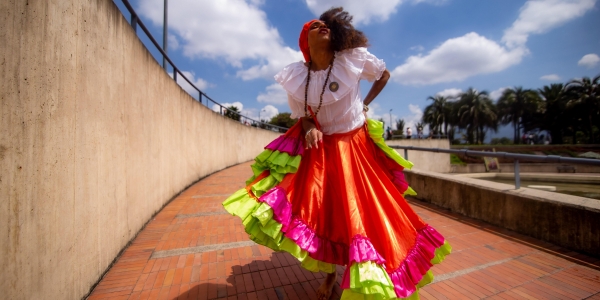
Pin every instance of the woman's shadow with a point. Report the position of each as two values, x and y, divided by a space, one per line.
280 277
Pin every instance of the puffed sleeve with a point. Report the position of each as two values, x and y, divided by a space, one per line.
373 68
296 107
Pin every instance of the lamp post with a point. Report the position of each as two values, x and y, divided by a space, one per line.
390 118
259 114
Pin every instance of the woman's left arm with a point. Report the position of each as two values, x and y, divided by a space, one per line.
378 85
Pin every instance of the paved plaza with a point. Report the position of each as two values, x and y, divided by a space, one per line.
193 249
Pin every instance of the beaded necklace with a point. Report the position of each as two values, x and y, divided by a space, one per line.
322 92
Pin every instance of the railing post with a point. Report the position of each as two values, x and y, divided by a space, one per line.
200 99
134 22
406 154
174 74
517 175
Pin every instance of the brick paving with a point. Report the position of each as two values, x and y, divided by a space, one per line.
193 249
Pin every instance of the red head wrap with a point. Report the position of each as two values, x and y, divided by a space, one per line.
303 40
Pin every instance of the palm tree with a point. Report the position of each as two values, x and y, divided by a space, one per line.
436 114
476 114
553 116
585 94
400 126
513 104
453 121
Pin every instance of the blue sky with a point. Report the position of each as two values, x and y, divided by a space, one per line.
233 48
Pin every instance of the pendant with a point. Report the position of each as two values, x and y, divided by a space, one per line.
334 86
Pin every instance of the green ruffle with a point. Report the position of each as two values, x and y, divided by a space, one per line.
409 191
375 129
369 281
278 163
376 133
307 262
441 253
258 221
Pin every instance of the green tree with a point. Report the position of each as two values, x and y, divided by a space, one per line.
283 120
437 113
453 119
584 95
554 116
233 113
476 114
513 105
400 124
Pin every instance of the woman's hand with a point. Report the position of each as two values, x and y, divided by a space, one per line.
313 137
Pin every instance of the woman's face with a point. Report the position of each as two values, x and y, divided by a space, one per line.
318 33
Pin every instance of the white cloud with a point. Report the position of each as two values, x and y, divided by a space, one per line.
376 112
417 48
550 77
237 104
434 2
275 94
198 82
415 117
457 59
233 30
268 112
450 93
539 16
363 11
173 43
495 95
589 60
265 113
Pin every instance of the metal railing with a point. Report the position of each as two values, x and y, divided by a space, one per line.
514 156
419 137
135 21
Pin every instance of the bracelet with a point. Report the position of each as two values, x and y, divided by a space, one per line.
365 108
305 135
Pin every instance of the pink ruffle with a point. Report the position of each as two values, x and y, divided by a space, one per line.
362 250
282 209
417 262
290 145
317 247
399 180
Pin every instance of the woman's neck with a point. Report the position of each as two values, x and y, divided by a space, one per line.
320 58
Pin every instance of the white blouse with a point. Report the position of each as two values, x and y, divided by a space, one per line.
342 109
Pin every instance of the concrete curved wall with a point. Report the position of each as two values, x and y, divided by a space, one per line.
95 139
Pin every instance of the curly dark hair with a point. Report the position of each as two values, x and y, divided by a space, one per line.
343 35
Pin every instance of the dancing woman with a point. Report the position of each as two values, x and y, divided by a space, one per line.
330 191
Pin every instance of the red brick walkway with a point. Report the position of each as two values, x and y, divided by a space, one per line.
193 250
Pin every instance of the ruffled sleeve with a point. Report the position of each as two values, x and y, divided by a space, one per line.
296 107
373 68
